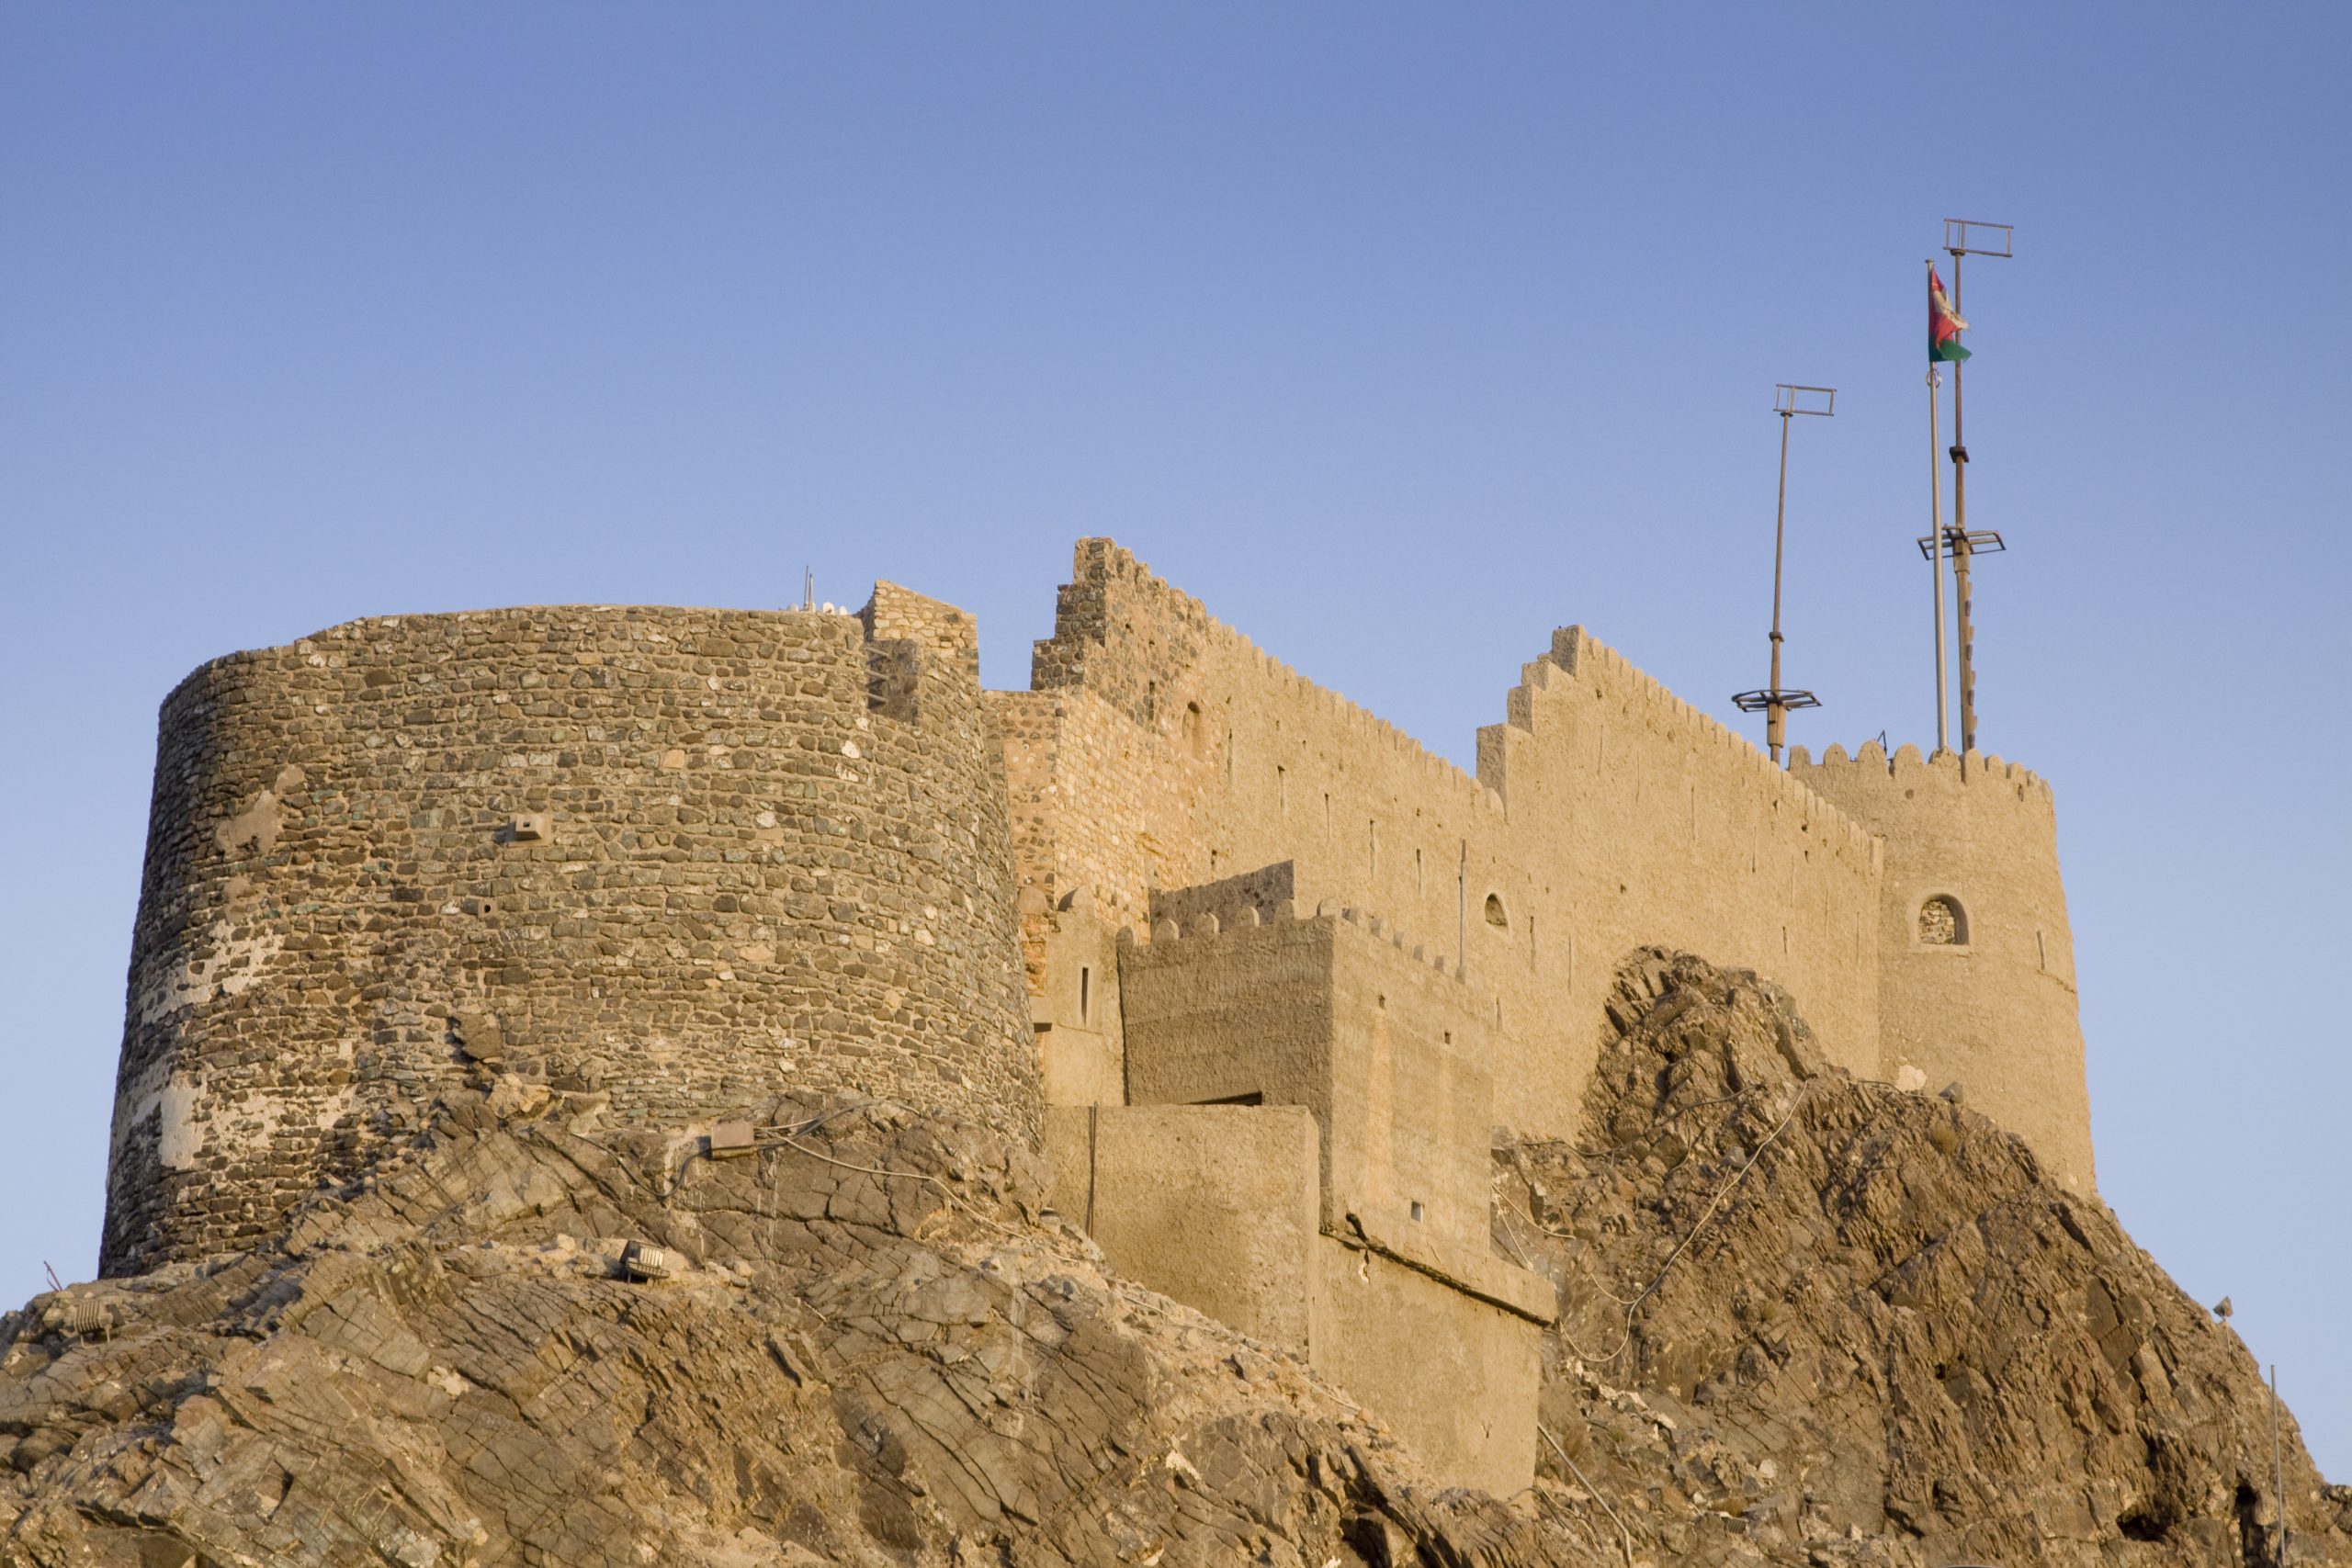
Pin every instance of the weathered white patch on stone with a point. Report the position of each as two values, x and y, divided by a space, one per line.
256 825
233 968
180 1139
1910 1079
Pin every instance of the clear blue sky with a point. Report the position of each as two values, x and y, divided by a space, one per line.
1398 334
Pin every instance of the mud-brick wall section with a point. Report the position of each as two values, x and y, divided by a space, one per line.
682 858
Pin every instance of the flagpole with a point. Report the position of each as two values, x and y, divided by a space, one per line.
1965 238
1935 558
1776 716
1960 551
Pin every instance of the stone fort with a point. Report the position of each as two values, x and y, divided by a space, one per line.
1260 975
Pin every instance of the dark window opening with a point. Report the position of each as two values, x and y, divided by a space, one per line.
1942 922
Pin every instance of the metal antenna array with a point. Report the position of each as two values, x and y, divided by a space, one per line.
1773 701
1964 237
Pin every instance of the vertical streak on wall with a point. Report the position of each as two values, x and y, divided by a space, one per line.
1462 910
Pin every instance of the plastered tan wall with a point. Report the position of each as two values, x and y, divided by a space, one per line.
1160 749
1384 1043
1215 1205
1178 753
1998 1013
1656 826
775 853
1458 1378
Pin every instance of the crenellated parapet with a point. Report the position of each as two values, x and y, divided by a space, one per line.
1377 930
1602 674
1908 769
1125 636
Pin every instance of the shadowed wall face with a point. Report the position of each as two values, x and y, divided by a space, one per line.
675 860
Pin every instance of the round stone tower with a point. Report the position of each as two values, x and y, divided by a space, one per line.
677 860
1976 961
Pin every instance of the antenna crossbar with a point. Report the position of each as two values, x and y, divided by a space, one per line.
1975 237
1981 542
1766 701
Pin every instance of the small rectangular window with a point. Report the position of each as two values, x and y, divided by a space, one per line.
1085 994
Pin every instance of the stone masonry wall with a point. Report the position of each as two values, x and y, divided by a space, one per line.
1993 1009
772 853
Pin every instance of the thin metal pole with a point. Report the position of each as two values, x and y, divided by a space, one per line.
1776 712
1960 550
1935 561
2278 1468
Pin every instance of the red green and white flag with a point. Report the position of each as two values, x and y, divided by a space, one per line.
1944 325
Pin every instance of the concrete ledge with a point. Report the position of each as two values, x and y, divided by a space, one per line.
1490 1278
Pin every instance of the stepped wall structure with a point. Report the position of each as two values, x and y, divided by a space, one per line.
1160 749
1259 974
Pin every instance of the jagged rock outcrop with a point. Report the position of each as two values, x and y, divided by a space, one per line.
1807 1318
866 1343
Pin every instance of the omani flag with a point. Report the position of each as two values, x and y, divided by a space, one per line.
1944 325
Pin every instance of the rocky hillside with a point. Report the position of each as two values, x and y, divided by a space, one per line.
1807 1321
866 1344
1811 1319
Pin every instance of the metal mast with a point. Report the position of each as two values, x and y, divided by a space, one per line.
1967 237
1930 546
1773 701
